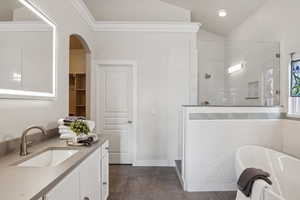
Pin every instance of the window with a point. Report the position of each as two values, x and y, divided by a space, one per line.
294 86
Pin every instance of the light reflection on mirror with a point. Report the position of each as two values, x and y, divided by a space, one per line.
27 51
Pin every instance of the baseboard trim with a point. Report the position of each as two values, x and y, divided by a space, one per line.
152 163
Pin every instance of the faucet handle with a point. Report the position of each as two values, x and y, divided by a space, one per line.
29 143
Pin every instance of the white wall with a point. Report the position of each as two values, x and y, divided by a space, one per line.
291 137
211 61
277 21
136 10
16 115
164 62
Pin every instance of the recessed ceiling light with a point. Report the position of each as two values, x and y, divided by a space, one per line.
222 13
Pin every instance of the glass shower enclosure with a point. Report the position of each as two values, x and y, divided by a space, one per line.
239 73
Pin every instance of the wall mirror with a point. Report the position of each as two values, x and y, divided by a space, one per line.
27 51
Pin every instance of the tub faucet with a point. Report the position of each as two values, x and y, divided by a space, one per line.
23 146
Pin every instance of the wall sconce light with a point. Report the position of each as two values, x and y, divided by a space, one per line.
222 13
235 68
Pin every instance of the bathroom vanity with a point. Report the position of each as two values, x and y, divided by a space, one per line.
56 172
90 177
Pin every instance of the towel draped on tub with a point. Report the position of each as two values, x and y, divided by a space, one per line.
252 183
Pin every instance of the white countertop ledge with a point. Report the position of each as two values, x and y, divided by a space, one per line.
208 109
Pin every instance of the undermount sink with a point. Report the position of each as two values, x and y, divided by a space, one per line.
48 158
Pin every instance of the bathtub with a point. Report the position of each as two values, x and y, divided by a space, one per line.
284 170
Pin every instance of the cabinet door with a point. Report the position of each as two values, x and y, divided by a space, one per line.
68 188
89 177
105 174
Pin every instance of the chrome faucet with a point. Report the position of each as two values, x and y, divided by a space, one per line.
23 146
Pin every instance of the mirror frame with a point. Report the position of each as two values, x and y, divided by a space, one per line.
23 94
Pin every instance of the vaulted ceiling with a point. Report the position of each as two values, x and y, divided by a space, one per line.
203 11
7 7
206 12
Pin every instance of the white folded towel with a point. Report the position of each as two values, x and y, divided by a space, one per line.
60 122
64 128
66 132
67 136
83 137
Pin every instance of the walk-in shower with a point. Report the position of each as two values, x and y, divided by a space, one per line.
239 73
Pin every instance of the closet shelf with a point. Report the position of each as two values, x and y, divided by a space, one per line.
77 83
78 73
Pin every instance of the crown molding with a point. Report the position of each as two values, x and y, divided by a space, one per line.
179 27
114 26
24 26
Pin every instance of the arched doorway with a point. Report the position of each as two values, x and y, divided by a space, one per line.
79 77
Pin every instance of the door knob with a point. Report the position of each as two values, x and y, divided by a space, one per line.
130 122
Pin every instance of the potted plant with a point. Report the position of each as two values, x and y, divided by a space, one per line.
80 128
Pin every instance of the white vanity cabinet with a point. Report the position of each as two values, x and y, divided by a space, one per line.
88 181
90 177
66 189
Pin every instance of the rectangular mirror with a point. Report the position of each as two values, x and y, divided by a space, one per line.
27 51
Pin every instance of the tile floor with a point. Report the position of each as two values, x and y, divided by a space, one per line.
154 183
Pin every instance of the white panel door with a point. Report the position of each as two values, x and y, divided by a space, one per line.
114 110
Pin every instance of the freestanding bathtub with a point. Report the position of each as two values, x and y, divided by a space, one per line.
284 170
